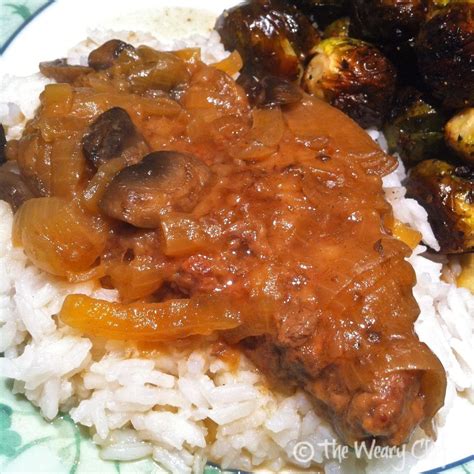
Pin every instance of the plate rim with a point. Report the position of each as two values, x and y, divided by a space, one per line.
23 25
10 39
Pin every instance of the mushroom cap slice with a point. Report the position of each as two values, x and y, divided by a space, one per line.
163 182
108 135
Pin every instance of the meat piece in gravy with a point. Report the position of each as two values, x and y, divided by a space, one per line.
282 204
311 236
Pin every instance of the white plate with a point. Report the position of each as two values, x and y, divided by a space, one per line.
65 23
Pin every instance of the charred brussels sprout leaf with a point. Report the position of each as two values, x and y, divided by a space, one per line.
447 194
459 133
415 129
323 12
445 49
354 76
271 36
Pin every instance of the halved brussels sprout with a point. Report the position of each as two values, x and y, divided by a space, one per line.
459 133
272 37
447 194
445 54
415 128
354 76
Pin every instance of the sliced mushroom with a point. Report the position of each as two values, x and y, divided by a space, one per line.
157 70
104 56
162 182
61 71
3 144
109 135
269 91
12 187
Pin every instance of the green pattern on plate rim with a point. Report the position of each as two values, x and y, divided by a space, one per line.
14 15
60 446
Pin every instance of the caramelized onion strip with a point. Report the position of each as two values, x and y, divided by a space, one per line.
166 321
58 236
406 355
231 65
182 234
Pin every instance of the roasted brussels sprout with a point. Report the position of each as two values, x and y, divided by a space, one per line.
445 54
340 27
447 194
415 128
323 12
393 26
354 76
459 133
388 21
271 36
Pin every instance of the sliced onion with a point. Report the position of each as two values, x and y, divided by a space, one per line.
95 273
167 321
263 138
136 279
56 99
315 118
182 234
231 65
57 236
190 55
67 166
98 184
408 355
268 126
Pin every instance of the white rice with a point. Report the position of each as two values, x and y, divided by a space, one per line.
164 404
